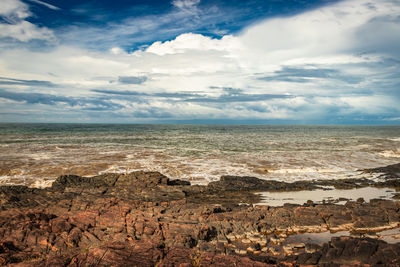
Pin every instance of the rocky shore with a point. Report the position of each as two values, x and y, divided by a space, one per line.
146 219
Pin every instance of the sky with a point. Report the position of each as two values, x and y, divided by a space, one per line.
200 61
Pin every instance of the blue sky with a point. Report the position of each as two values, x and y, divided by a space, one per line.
294 61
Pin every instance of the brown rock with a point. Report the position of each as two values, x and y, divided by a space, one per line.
146 219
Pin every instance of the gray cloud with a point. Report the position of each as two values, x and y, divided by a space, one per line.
11 81
305 75
237 98
48 99
230 90
153 113
380 34
37 98
229 95
132 79
113 92
135 93
235 95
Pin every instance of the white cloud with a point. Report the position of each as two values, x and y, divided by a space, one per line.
373 104
189 41
186 4
14 12
25 31
14 9
322 33
45 4
117 50
319 57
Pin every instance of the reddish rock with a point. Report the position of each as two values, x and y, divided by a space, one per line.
144 219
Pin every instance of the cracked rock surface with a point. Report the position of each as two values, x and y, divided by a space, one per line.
146 219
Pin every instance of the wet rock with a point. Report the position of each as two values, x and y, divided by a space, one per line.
178 182
390 171
246 183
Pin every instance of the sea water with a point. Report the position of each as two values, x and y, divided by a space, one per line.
35 154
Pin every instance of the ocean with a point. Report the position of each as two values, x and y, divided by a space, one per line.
36 154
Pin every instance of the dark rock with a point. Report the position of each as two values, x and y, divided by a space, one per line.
347 250
8 246
360 200
246 183
178 182
390 171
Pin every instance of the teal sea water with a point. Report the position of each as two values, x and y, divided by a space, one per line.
35 154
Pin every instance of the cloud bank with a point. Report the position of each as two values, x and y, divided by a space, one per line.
335 64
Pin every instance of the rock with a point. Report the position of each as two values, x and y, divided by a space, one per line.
178 182
246 183
7 247
146 219
312 248
276 240
390 171
360 200
240 251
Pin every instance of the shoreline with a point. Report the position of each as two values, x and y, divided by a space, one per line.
36 156
146 219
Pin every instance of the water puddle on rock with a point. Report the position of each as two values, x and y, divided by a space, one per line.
330 196
309 242
314 238
390 236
